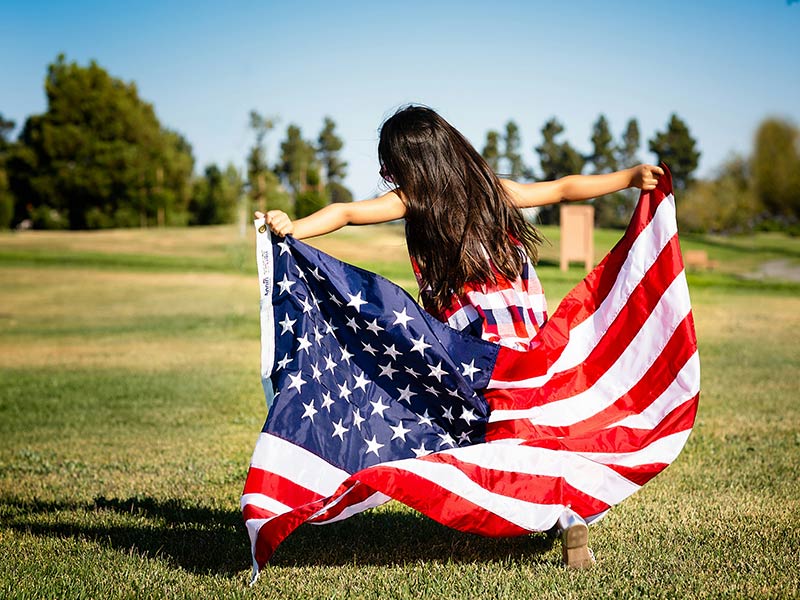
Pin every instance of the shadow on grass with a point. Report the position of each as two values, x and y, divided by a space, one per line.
205 540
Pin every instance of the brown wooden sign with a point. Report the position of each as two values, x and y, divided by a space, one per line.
577 235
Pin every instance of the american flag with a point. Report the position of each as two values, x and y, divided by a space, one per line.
375 400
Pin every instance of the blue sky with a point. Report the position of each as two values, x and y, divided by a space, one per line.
722 66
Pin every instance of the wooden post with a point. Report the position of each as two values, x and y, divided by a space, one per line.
577 235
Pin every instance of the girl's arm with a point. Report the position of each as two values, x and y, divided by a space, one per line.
335 216
581 187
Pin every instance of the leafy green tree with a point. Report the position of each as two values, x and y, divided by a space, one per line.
98 157
216 196
263 186
603 157
677 148
491 150
516 168
297 160
775 165
329 145
557 159
629 148
6 199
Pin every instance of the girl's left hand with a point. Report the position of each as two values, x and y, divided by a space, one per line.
645 177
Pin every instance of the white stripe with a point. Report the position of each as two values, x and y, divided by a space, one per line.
527 515
304 468
663 450
627 370
372 501
253 526
588 476
264 260
685 386
585 336
265 502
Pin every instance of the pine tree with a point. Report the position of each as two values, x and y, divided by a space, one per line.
516 168
491 150
677 148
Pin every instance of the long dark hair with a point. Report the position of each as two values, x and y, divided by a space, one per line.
457 211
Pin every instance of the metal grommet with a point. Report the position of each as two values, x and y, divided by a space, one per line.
262 229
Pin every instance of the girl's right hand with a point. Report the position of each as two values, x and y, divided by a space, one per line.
278 221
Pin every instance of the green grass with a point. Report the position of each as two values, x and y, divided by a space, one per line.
130 402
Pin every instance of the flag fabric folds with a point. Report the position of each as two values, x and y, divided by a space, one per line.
374 399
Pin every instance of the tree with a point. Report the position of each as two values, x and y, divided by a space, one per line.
491 150
215 196
98 157
603 151
775 165
264 189
297 162
516 168
6 199
677 148
557 159
628 149
328 147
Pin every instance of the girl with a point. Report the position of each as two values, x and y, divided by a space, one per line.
470 246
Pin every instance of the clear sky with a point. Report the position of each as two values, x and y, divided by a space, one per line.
722 66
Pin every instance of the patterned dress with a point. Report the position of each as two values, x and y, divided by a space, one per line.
509 313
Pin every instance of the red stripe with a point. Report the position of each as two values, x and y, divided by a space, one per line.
358 493
281 489
251 511
660 375
640 474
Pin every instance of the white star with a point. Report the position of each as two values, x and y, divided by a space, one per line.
351 322
356 301
411 372
297 381
420 345
402 318
287 324
335 300
469 369
467 415
379 407
284 362
369 348
330 328
304 343
391 351
306 306
425 419
344 392
310 411
346 356
432 390
374 327
329 364
327 401
448 414
421 451
454 393
361 382
446 439
315 273
357 418
300 274
406 393
284 247
317 335
315 372
387 370
339 430
399 431
373 446
286 284
437 371
463 437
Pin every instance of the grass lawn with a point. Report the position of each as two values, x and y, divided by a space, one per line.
130 402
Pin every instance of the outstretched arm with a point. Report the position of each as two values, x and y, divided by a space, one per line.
581 187
335 216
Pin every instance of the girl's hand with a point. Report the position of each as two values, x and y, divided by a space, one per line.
645 177
278 221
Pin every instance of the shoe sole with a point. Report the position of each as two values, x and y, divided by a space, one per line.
575 552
